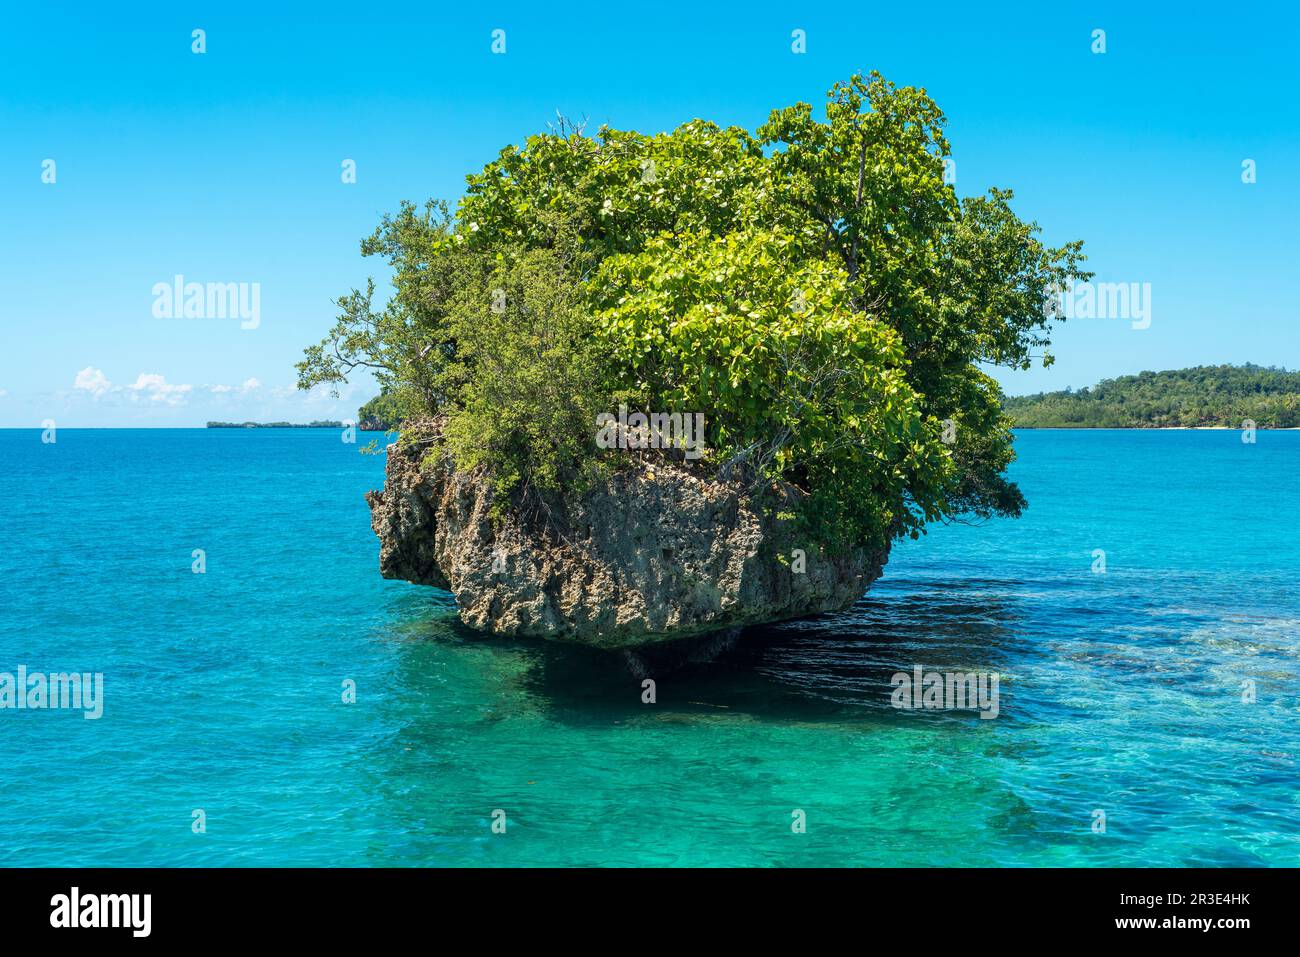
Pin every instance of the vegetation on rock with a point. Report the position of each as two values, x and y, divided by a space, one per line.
383 413
815 289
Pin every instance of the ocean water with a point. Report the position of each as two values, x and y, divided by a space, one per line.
1121 691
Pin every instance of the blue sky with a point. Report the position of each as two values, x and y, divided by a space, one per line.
225 167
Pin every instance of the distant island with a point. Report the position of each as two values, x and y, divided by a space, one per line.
1201 397
275 425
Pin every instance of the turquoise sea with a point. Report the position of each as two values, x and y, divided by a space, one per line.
1120 692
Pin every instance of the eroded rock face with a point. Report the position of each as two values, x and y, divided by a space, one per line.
656 554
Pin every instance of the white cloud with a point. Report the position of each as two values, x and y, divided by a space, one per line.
157 389
316 395
151 398
92 380
250 385
148 385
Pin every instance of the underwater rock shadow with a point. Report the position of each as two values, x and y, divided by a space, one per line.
830 668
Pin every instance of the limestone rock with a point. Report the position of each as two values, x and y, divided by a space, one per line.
652 555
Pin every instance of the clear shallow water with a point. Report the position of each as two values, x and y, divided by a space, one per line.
1120 691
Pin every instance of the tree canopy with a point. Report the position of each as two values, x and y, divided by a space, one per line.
814 288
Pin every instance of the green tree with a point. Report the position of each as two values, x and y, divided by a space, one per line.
815 289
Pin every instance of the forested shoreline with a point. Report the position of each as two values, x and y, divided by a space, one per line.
1222 396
